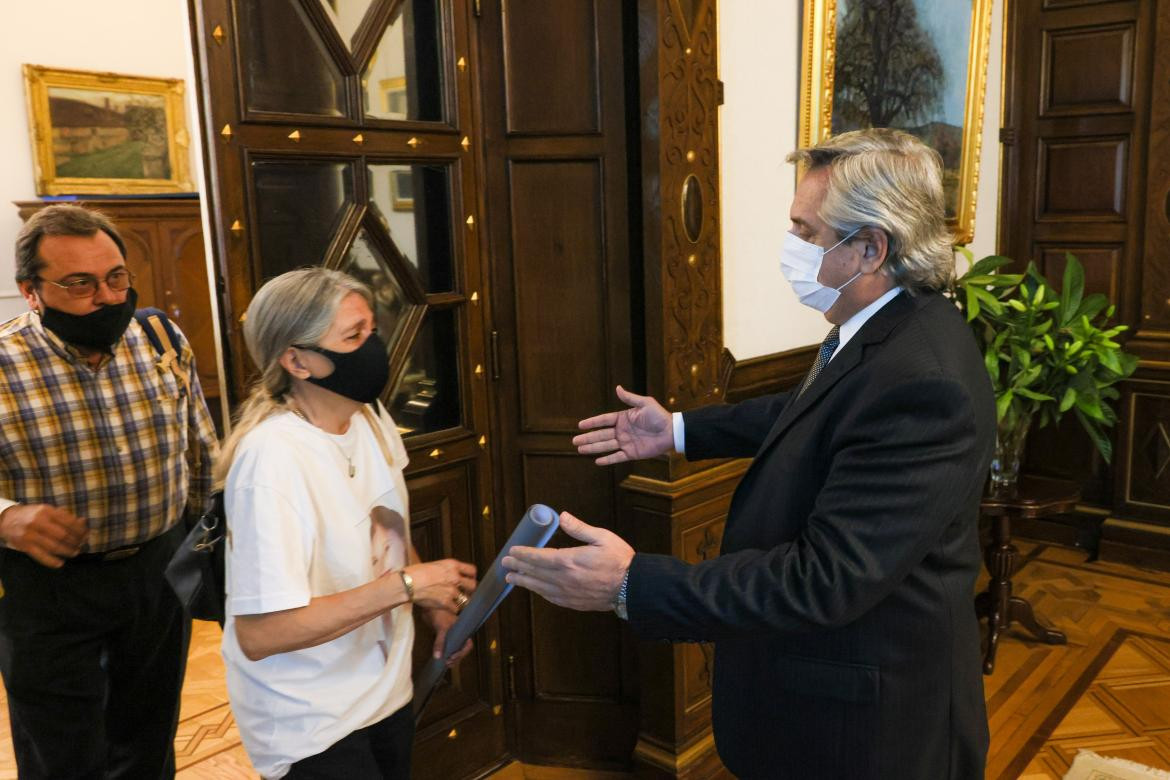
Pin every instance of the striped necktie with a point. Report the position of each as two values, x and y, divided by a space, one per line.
828 346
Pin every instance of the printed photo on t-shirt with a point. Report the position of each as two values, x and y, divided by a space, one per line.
388 553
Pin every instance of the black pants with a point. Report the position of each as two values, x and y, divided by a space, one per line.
378 751
92 656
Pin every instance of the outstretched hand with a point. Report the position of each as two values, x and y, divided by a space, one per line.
585 578
644 430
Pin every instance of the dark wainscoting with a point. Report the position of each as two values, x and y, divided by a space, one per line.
765 374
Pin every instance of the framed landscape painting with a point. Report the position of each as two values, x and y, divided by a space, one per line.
104 133
915 65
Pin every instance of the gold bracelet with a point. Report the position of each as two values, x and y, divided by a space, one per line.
408 584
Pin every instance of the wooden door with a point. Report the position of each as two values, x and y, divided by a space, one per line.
339 132
1076 129
556 178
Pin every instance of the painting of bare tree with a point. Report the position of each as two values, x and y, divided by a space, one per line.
914 65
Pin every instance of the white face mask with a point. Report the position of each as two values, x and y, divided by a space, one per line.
800 262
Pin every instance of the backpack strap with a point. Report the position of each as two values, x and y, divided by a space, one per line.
161 334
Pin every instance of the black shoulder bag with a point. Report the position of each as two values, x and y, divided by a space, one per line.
196 571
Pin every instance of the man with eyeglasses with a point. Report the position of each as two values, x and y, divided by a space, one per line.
102 452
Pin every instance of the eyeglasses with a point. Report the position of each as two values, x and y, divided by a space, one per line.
87 286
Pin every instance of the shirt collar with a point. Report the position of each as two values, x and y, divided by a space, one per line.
850 327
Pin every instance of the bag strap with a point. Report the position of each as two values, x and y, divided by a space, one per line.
161 334
376 424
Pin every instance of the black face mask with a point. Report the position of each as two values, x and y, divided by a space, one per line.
360 375
97 330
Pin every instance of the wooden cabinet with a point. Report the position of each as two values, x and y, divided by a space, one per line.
165 252
1086 170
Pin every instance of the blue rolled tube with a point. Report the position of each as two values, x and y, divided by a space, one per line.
535 529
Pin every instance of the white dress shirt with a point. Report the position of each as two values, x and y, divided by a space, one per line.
848 330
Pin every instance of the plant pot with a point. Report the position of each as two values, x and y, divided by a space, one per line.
1009 447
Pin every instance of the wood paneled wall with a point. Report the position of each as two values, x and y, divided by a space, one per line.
1086 147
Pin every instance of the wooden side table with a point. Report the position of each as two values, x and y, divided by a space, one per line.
1032 497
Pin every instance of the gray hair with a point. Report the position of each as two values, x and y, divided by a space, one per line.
61 219
890 180
294 308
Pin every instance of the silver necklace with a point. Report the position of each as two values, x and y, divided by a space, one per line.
347 456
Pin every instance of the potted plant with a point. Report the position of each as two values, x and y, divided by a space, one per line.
1048 352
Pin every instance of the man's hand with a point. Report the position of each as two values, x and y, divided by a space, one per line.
442 620
585 578
45 533
642 431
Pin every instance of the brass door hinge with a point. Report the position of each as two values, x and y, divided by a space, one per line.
495 356
511 674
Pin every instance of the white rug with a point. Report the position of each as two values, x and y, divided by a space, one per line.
1090 766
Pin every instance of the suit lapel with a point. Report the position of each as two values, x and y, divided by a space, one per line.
875 330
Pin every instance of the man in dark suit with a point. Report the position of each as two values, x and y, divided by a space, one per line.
842 602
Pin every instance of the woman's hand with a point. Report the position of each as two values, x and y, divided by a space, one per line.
442 585
441 621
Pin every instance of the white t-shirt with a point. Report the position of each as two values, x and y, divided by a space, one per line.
300 528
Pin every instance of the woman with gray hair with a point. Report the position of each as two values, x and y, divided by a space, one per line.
321 572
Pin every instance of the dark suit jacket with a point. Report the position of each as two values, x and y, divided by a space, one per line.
841 604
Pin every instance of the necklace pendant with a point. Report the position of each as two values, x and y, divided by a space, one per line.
352 471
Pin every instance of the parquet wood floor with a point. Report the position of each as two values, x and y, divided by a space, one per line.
1108 689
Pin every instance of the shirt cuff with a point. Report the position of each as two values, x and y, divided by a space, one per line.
5 503
680 434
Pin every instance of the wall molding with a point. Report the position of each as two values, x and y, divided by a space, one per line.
765 374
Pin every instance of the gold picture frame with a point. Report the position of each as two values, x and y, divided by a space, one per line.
106 133
394 105
402 189
959 147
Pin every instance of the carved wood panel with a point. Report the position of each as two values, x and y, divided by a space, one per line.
1083 179
1147 476
680 103
559 96
1101 262
1154 273
699 543
558 245
1087 71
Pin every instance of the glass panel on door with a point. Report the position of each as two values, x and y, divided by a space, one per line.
299 206
367 263
428 398
404 78
287 67
346 16
413 203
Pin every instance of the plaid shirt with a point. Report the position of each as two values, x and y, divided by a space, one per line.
123 445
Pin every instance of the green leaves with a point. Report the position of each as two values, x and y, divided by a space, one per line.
1072 288
1047 351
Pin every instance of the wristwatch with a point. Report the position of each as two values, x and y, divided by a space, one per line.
408 584
619 601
